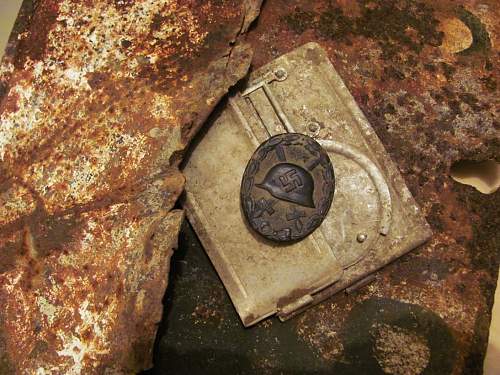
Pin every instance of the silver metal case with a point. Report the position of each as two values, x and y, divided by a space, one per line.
373 218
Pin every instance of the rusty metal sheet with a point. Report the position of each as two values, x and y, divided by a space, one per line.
425 75
98 102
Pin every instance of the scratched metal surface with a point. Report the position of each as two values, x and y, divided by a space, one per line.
424 73
98 102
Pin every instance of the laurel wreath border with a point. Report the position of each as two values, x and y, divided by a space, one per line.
315 149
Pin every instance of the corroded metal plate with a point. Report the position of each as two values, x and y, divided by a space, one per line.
287 188
373 218
98 101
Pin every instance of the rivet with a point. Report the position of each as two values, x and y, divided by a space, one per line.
314 128
280 74
361 237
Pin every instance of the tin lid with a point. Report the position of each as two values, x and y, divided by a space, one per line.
373 218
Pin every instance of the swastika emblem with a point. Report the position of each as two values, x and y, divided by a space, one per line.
290 180
287 187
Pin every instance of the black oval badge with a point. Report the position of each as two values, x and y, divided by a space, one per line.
287 188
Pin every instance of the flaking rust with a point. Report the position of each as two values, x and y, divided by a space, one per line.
99 101
424 74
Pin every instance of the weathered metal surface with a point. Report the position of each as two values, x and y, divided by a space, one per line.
430 107
423 72
99 101
431 94
262 277
373 219
287 188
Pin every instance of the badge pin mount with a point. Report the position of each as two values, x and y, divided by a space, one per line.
287 187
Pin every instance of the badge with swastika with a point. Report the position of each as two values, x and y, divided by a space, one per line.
293 174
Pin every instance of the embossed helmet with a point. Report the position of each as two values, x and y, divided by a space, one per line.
291 183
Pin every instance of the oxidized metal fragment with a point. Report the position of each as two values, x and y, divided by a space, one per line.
98 102
295 191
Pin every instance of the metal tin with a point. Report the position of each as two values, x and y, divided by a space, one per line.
373 218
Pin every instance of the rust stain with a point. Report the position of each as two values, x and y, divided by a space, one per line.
99 101
424 74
